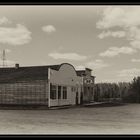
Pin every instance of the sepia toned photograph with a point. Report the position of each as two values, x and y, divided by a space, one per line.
69 70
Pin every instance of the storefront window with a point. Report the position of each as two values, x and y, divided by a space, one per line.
59 92
64 92
52 91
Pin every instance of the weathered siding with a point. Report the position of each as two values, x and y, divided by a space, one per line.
24 92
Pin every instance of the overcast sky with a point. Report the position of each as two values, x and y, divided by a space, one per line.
103 38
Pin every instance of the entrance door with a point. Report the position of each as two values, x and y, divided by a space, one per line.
76 98
88 93
81 98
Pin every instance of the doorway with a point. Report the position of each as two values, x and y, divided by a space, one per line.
76 98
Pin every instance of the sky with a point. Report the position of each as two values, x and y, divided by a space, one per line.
103 38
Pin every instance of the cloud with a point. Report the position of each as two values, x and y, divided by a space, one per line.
124 18
110 16
97 64
68 56
129 73
18 35
135 60
80 67
135 44
49 29
114 16
4 20
114 51
118 34
134 37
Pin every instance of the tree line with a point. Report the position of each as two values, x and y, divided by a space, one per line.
122 91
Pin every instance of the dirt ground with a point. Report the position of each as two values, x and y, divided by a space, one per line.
81 120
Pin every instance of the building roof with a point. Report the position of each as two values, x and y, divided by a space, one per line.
88 69
80 72
25 73
83 73
13 74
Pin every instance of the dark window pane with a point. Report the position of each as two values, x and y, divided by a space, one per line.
59 92
64 92
52 91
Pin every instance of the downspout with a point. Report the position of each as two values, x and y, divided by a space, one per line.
49 86
82 92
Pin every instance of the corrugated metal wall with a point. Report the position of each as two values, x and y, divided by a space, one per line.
24 92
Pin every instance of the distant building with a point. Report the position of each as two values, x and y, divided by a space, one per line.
52 85
88 85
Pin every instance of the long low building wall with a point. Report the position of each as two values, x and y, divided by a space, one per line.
52 85
24 92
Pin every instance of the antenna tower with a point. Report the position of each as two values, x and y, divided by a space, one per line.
3 58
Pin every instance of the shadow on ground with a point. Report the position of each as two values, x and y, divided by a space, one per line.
43 107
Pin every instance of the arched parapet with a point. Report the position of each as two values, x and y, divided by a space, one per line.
66 74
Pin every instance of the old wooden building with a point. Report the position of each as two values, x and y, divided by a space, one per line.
88 85
53 85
